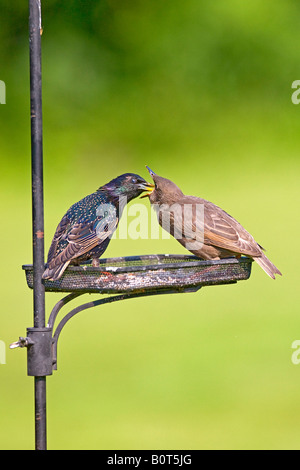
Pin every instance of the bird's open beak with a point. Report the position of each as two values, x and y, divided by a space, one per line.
150 186
146 187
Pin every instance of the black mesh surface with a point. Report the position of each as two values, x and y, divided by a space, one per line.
141 273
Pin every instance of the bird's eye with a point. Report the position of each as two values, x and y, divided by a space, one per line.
134 180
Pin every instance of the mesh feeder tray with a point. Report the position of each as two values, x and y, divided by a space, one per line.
136 274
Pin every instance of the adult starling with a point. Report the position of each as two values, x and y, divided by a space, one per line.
202 227
85 230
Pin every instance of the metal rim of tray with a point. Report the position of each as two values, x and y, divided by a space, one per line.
167 274
137 273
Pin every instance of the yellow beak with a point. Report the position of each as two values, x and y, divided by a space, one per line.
147 187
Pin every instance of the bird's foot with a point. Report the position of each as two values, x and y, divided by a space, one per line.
96 264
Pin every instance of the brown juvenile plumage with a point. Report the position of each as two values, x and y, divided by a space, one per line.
202 227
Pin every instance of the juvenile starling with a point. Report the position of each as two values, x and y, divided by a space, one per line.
202 227
85 230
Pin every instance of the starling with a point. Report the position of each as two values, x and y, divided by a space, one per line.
202 227
85 230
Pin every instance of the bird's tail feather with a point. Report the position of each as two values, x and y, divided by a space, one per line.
267 266
55 273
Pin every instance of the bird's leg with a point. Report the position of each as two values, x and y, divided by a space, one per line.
95 262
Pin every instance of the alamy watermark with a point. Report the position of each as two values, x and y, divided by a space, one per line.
2 352
295 96
179 220
296 354
2 92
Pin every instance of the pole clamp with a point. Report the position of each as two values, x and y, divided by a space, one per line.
39 351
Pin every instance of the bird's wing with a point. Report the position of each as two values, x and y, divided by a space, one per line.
61 230
82 237
222 230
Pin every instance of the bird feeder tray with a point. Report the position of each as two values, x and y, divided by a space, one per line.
134 274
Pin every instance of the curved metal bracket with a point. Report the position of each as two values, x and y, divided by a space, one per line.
59 305
94 303
121 279
41 343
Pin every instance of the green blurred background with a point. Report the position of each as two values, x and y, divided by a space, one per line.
201 92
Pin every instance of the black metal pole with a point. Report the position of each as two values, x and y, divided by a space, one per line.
35 30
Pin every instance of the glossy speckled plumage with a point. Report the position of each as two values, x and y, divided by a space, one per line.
86 229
